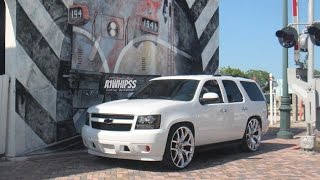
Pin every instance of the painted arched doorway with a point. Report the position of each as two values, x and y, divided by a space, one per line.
2 37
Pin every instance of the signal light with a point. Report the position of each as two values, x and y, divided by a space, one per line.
314 32
303 41
287 36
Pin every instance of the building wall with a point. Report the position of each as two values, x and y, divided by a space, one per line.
43 99
58 69
2 34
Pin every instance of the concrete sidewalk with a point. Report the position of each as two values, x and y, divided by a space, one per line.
277 159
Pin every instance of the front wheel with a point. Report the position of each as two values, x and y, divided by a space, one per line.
252 136
179 148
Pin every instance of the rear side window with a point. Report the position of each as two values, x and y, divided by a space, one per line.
252 90
232 90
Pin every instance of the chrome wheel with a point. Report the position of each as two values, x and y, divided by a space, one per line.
253 135
182 147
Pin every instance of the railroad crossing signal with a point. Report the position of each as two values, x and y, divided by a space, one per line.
288 37
314 32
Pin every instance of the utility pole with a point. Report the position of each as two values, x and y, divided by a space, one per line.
285 108
310 66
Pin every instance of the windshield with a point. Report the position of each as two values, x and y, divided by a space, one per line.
172 89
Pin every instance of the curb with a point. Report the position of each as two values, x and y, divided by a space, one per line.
48 155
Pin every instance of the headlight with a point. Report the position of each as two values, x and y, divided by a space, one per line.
148 122
87 119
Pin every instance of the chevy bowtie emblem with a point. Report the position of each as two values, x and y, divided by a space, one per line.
108 121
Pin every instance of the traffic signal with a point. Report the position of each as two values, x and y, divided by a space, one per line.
314 32
288 37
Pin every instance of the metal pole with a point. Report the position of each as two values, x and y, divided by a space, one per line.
285 108
310 67
275 105
295 13
271 99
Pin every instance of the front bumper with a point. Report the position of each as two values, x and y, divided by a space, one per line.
145 145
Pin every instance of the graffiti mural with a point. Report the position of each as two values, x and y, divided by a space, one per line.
137 41
144 37
72 54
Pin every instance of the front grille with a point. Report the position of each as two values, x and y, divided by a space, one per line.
111 127
113 116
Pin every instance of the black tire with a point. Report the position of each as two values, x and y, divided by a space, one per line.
252 136
179 150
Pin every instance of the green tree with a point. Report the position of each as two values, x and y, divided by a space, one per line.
316 72
261 77
232 72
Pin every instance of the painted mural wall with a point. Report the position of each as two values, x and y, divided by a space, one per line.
69 58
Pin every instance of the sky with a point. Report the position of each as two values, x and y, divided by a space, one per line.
247 34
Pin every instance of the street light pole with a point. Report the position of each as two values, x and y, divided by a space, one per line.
285 108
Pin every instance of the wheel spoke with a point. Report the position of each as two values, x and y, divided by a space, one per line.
174 149
256 136
257 139
182 159
254 125
251 125
187 153
256 128
252 141
176 155
174 141
186 143
184 135
178 137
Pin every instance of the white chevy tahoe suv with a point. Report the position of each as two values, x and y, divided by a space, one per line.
169 117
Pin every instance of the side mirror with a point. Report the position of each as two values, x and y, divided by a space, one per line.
209 98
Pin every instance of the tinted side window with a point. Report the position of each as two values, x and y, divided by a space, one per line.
252 90
211 86
232 91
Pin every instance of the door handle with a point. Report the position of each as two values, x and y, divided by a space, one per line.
223 110
244 108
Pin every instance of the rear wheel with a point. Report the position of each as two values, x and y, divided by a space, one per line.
252 136
180 147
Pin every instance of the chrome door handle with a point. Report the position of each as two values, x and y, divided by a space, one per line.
223 110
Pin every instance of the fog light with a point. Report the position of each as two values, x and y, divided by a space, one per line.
126 148
148 148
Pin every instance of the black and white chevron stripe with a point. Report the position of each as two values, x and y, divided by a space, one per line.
43 99
205 15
